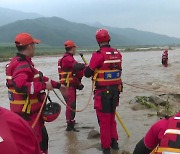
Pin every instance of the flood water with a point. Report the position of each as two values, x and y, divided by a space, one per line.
139 68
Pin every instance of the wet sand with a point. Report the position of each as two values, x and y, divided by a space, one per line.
139 68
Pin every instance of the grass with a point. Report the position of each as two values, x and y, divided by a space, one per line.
9 50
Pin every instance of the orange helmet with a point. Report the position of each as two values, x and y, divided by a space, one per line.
69 44
51 111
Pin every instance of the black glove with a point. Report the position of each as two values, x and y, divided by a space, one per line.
80 87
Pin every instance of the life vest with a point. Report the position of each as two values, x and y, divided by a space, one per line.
67 76
164 56
23 102
110 72
170 143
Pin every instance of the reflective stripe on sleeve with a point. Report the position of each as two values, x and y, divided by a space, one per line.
32 88
9 77
36 76
172 131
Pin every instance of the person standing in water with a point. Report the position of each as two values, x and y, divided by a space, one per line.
105 69
165 58
70 75
26 86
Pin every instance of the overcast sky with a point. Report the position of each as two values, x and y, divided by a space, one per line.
160 16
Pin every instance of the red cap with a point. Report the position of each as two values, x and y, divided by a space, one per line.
69 44
23 39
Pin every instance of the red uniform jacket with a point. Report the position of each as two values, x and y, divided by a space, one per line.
107 63
156 133
25 84
67 64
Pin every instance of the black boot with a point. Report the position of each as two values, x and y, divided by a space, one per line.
114 144
106 151
70 127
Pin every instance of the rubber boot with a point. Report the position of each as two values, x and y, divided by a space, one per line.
106 151
70 127
114 144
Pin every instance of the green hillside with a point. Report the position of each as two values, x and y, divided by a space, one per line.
8 16
54 31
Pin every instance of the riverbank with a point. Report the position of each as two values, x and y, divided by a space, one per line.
7 52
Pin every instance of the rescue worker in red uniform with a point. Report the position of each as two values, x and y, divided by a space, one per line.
105 67
70 75
26 86
165 58
162 138
16 137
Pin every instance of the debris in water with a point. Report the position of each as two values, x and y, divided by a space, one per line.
125 152
93 134
137 107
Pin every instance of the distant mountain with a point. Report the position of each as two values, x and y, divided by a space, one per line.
8 16
54 31
142 37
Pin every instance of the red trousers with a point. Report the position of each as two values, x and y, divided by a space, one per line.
165 62
108 129
70 98
105 104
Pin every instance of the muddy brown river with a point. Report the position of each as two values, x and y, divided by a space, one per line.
139 68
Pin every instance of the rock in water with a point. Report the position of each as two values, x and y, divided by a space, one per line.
125 152
157 100
93 134
137 107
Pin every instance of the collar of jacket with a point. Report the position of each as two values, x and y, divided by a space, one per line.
23 57
67 53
